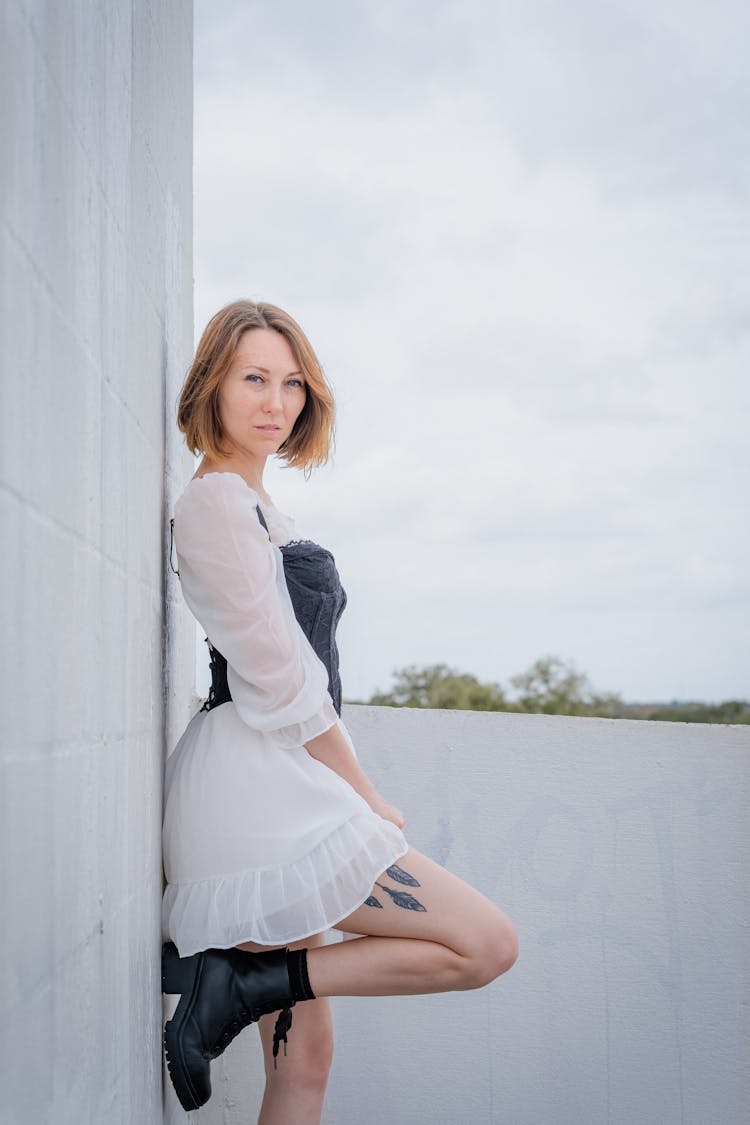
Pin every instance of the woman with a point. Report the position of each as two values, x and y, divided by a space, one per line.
273 832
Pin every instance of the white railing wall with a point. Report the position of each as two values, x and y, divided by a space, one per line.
621 850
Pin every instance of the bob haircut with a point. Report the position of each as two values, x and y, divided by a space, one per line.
310 442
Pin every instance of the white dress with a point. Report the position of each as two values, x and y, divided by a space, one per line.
261 841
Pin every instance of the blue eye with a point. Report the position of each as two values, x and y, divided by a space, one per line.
295 383
260 377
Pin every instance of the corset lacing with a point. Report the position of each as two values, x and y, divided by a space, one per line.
219 691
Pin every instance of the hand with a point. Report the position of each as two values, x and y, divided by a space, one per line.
388 812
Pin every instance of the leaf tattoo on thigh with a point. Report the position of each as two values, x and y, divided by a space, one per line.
372 901
403 899
400 876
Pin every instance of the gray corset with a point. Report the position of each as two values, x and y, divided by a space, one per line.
318 600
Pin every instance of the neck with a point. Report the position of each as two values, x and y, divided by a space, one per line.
249 468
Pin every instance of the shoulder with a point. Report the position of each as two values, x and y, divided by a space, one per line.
216 509
214 489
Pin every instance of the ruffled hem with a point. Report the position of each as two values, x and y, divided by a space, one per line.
278 905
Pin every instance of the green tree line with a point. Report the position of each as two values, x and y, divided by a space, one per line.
551 686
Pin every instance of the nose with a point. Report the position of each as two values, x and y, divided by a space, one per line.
272 401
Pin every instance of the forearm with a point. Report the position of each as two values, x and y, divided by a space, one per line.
332 749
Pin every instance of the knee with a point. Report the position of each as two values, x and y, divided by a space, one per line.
494 951
307 1063
314 1065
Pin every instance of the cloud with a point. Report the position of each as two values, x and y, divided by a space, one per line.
517 237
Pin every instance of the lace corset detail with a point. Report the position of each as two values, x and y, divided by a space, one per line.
318 600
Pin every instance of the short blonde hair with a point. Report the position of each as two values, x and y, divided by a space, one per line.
310 442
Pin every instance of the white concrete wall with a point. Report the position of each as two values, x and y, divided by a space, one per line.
96 327
621 850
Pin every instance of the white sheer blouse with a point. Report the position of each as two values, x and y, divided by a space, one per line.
261 841
233 581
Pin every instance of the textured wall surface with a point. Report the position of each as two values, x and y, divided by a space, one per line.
621 850
96 326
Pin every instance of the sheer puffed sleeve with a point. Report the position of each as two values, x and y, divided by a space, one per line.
232 578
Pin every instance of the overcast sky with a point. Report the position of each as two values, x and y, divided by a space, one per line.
517 236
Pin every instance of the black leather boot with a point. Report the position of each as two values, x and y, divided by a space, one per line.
221 991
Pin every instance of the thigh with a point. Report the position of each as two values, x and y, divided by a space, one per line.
416 898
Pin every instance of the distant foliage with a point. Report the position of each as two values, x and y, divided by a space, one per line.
551 686
731 711
440 686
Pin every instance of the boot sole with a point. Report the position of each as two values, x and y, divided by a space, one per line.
180 975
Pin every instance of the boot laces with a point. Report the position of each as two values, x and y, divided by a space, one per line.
280 1031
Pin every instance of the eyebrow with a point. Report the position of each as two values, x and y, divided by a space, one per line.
257 366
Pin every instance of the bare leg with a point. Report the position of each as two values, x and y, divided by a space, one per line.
430 933
295 1090
427 931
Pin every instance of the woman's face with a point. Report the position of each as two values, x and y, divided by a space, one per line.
262 393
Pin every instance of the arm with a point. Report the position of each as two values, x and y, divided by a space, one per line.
231 580
333 750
